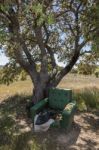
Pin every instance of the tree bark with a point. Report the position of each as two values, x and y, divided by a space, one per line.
40 91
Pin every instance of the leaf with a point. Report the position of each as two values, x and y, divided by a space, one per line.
51 19
38 9
4 7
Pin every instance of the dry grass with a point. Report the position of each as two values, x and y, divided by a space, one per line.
75 82
20 87
79 82
86 89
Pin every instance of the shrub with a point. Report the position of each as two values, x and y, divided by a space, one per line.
23 75
87 99
97 73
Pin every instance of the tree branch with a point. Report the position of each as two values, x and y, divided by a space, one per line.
76 55
57 15
85 52
64 71
29 56
5 14
16 38
71 29
51 56
65 11
44 63
82 44
47 33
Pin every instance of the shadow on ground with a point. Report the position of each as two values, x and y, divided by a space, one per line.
89 124
16 132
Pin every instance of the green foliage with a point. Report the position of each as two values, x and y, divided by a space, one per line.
88 99
86 69
74 71
38 66
93 19
50 19
11 72
88 64
38 9
4 7
59 28
8 73
23 75
97 72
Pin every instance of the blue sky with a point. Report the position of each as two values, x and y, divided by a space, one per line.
3 59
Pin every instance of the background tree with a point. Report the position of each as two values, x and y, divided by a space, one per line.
96 72
33 32
88 64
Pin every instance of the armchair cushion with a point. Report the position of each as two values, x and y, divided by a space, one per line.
58 98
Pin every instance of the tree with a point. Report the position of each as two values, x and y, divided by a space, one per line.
32 32
88 64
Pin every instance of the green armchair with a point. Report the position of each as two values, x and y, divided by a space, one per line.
61 101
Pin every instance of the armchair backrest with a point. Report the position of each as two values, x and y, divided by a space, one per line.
58 98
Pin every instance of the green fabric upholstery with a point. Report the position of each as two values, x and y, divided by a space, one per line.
58 98
37 107
68 115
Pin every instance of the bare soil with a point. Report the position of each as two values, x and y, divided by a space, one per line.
84 134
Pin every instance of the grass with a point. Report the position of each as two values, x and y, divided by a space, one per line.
75 82
15 128
19 88
87 99
79 82
86 89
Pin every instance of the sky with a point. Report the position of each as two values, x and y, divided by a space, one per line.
3 59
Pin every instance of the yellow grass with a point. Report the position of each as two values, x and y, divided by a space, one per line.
75 82
78 82
20 87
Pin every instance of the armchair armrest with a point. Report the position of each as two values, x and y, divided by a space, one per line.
37 107
68 115
70 108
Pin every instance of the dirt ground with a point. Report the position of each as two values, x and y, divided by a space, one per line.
16 130
84 134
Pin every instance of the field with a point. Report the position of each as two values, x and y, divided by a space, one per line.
16 132
75 82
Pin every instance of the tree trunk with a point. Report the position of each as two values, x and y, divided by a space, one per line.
40 92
